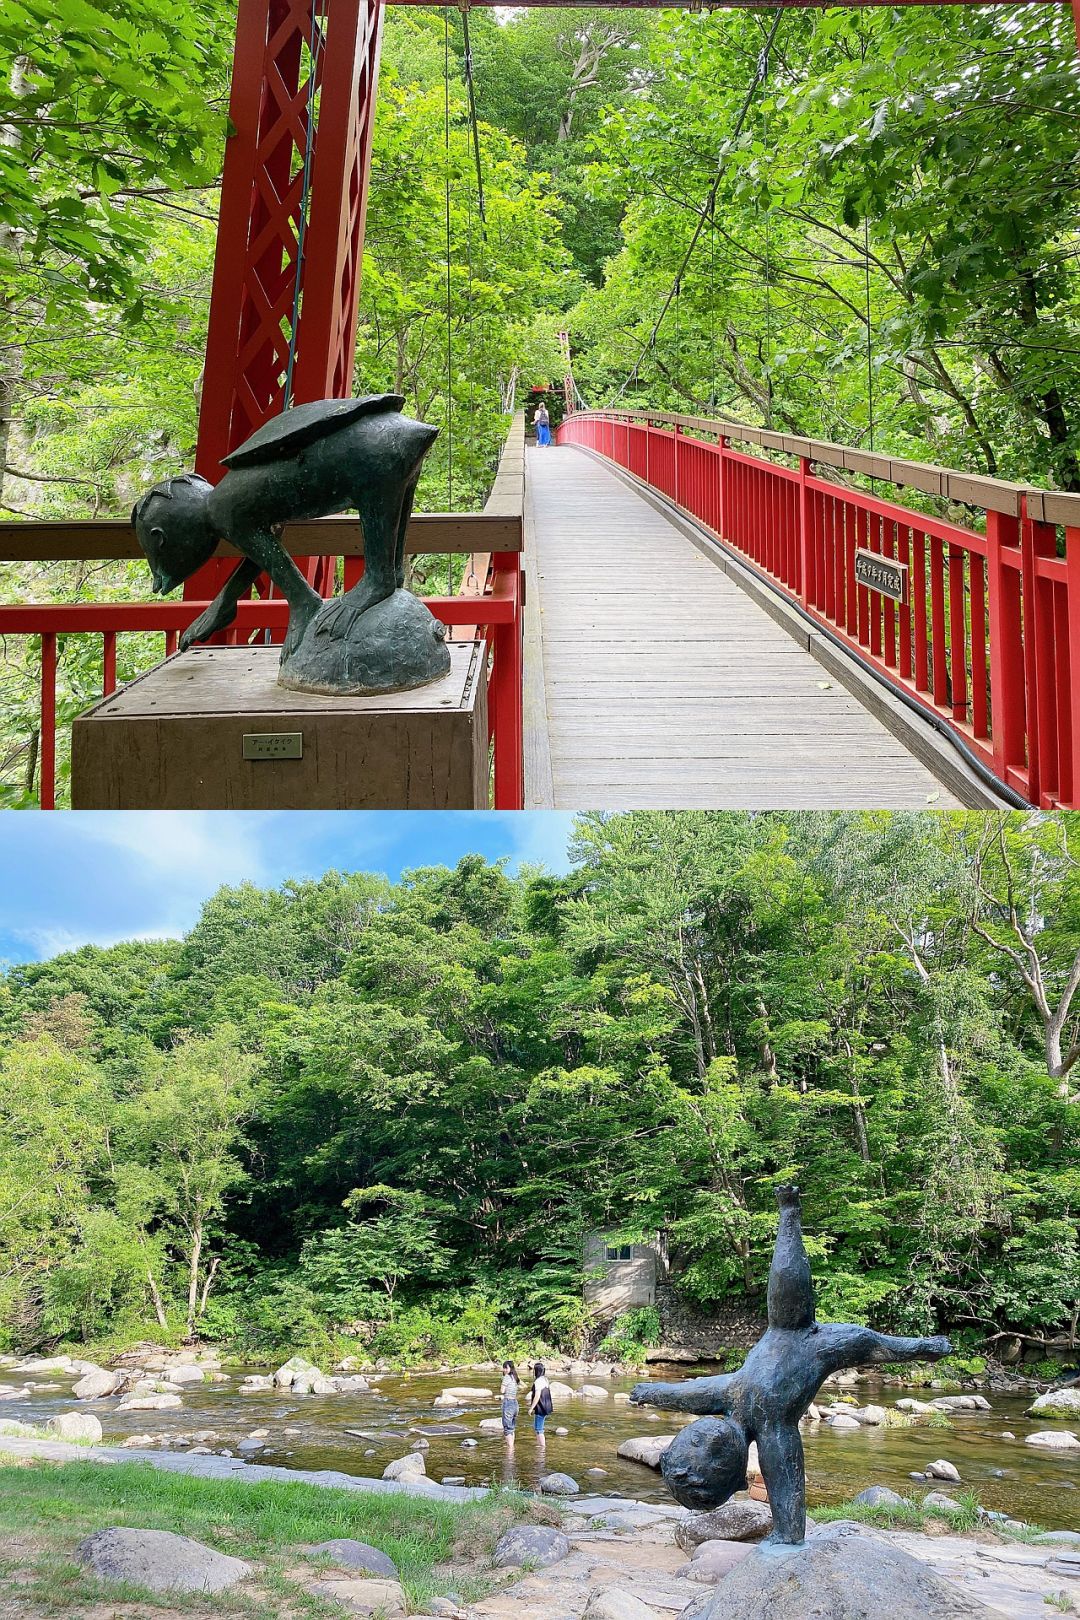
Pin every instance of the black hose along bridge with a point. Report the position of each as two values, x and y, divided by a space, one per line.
671 610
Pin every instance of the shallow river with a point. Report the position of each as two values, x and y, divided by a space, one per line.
310 1431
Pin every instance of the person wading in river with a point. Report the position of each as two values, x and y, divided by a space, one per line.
540 1402
509 1394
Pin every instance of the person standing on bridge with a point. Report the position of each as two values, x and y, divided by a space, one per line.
542 423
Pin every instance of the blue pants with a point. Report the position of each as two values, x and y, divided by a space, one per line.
539 1419
543 433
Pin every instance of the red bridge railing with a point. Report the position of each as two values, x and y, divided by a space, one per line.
986 633
493 613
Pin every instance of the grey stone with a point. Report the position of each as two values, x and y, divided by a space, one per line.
78 1426
743 1520
559 1485
943 1470
149 1403
648 1449
160 1560
938 1499
879 1496
609 1603
1059 1538
840 1573
355 1555
1053 1440
359 1596
531 1544
714 1560
95 1385
408 1467
1060 1403
1065 1563
186 1375
453 1479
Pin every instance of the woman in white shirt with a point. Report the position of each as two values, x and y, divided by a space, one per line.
540 1403
509 1394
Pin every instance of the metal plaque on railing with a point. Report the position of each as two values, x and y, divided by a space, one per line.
882 574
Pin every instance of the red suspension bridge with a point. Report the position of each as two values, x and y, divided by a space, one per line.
717 614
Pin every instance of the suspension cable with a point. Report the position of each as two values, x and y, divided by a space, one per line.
471 88
449 311
758 79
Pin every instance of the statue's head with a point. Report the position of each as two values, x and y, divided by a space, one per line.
706 1463
173 529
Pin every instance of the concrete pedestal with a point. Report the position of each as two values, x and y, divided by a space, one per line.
210 729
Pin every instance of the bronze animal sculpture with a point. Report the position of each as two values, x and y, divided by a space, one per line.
706 1462
309 462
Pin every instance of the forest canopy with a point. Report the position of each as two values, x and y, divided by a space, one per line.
389 1114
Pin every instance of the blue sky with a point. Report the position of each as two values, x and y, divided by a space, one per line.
88 878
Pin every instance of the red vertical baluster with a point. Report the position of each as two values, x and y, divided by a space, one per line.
851 594
1064 685
47 741
977 586
1038 540
1006 645
888 549
172 641
862 595
903 553
1071 639
939 651
804 518
108 662
958 660
507 697
919 606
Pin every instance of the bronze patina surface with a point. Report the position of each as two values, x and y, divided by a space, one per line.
706 1462
310 462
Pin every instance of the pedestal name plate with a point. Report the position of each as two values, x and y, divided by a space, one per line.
211 729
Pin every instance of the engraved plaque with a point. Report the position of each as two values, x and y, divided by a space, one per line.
273 745
882 574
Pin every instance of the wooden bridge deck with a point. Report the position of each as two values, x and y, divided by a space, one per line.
652 679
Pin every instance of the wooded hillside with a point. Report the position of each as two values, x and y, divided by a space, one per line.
395 1110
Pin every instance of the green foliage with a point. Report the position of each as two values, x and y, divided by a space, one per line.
632 1334
391 1116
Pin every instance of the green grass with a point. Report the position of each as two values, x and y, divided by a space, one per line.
58 1504
911 1514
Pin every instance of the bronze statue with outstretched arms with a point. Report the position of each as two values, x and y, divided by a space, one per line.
764 1400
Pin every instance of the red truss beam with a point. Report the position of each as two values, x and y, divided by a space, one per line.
280 83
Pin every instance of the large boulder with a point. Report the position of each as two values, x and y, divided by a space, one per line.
81 1427
149 1403
159 1560
302 1376
608 1603
941 1469
648 1449
915 1408
532 1544
713 1561
186 1375
873 1415
351 1384
594 1392
462 1394
879 1496
94 1386
737 1520
944 1504
559 1485
843 1572
1053 1440
562 1392
1057 1403
362 1597
409 1467
355 1555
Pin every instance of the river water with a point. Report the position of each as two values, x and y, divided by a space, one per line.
311 1431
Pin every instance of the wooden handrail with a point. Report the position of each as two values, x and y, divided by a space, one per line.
992 494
